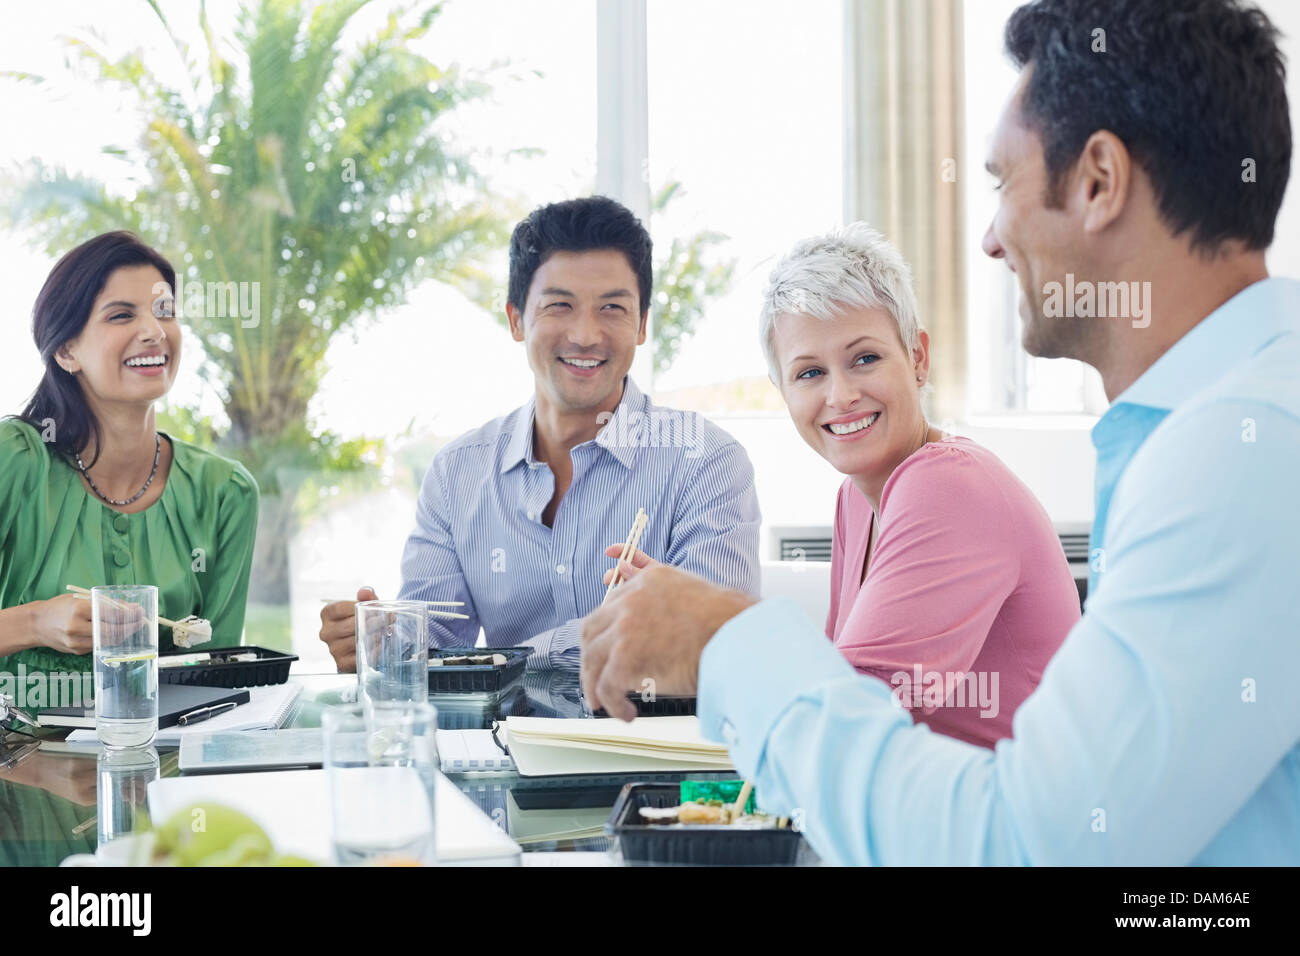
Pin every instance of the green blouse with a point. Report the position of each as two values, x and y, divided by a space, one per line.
195 543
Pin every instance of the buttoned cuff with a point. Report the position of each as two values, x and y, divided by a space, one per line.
757 665
566 645
556 649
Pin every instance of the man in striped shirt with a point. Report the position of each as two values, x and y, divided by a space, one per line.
518 518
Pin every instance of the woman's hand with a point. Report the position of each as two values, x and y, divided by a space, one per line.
63 623
72 778
640 561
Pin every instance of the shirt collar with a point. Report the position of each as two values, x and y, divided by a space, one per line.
618 436
519 446
1230 334
621 434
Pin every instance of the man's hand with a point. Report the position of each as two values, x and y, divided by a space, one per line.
338 629
639 559
654 627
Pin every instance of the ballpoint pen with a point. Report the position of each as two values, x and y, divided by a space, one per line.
205 713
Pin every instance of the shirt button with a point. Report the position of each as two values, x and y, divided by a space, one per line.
559 569
121 558
729 734
121 523
532 516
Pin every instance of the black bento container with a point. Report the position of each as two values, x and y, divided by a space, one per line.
701 845
476 678
658 707
271 667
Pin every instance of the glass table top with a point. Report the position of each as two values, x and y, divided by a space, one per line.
53 804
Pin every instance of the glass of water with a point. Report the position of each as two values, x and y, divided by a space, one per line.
125 625
124 778
381 760
393 651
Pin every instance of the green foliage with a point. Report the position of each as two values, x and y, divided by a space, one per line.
318 174
314 171
687 278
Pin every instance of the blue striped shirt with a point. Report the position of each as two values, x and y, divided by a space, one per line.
479 536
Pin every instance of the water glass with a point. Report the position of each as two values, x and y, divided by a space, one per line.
124 778
381 762
125 626
393 651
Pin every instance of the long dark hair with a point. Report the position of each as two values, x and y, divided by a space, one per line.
62 310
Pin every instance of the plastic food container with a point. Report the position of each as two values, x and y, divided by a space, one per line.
659 707
271 667
475 678
702 845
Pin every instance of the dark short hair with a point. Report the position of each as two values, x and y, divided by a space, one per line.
62 310
1193 88
578 225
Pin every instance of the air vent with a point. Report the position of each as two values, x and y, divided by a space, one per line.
805 549
1075 546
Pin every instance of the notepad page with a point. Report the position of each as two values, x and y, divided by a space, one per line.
532 760
666 734
267 709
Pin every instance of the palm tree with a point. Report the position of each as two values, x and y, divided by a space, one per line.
318 177
687 278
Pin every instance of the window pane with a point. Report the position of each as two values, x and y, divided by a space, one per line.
746 113
1002 377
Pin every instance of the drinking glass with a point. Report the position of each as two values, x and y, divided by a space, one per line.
124 778
393 651
125 626
381 762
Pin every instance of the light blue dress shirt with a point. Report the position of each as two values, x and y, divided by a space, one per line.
479 536
1165 731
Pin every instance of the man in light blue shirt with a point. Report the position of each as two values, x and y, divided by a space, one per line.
1166 730
515 518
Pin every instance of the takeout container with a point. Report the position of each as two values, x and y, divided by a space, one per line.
657 707
697 845
476 678
271 667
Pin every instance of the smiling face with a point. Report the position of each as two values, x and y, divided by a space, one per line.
130 348
1039 244
852 388
581 324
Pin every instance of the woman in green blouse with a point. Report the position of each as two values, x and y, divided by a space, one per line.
90 492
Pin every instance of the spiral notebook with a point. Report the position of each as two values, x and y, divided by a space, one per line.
461 751
267 709
468 751
553 746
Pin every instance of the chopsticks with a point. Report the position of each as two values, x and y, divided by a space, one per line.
463 617
743 798
85 592
629 548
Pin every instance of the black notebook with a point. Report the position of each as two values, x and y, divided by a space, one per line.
174 701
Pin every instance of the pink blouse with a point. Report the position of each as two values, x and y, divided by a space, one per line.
968 593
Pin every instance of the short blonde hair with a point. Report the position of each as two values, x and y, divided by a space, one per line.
853 266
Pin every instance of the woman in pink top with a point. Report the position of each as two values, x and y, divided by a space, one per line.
947 578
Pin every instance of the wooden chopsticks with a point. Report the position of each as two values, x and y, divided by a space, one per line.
430 610
85 592
629 548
